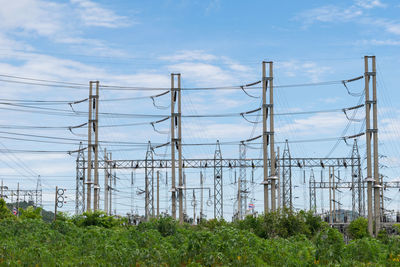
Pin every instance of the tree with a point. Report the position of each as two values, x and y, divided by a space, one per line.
358 228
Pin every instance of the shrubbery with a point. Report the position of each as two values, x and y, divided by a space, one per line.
281 238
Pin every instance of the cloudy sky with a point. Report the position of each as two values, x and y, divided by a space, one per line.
212 44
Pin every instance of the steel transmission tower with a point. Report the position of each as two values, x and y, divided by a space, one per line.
287 177
80 181
149 183
242 181
356 181
218 193
313 195
38 195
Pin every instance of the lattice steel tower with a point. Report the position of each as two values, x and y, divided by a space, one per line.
80 181
149 183
243 190
356 182
38 195
218 193
313 195
287 178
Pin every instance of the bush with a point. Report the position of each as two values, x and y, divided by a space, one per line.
96 218
329 246
366 250
5 213
165 225
358 228
30 213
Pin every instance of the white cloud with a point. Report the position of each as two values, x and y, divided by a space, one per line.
295 68
93 14
58 22
190 55
219 131
368 4
320 124
387 42
353 13
329 14
30 16
203 73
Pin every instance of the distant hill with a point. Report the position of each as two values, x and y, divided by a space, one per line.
48 216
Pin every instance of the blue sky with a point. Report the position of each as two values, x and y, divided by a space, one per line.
212 43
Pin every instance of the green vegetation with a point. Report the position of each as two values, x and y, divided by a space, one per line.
276 239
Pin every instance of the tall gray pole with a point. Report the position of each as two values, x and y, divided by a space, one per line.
110 187
279 179
173 143
369 178
18 200
96 151
90 148
377 186
105 182
180 149
265 137
330 196
272 137
55 204
158 194
201 195
333 194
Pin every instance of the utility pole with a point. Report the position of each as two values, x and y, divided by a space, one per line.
239 199
271 135
377 186
279 187
333 194
173 144
115 190
106 162
96 150
56 203
201 195
2 192
180 188
194 207
110 187
90 148
158 194
373 213
265 136
330 196
132 194
18 200
184 195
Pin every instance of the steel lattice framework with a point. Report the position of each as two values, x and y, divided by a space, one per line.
149 183
356 179
80 181
228 163
286 163
243 191
218 189
313 195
